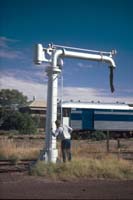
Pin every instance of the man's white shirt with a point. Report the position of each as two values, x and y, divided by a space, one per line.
63 132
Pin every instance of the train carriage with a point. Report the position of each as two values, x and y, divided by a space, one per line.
116 118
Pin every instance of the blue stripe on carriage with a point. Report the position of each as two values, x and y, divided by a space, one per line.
75 116
114 111
113 117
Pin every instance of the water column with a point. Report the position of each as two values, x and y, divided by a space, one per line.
51 151
53 70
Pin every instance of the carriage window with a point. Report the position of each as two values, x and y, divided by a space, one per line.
66 112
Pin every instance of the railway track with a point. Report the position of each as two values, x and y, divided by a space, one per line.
7 166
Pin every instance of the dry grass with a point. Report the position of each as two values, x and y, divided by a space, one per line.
10 150
107 167
85 164
84 149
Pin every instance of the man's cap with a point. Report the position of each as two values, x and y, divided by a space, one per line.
58 122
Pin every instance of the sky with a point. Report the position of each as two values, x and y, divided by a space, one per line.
100 25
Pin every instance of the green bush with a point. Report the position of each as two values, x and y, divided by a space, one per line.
21 122
27 124
98 135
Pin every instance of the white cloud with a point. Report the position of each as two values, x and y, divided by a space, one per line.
29 89
4 41
6 51
82 65
39 90
91 94
10 54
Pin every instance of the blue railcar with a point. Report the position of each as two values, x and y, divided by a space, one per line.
98 116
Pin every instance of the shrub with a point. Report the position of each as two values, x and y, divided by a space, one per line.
108 167
23 122
26 124
98 135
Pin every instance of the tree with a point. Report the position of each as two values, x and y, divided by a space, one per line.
12 98
10 116
27 125
23 122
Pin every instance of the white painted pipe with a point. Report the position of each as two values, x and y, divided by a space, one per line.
52 72
87 56
39 54
81 55
56 55
50 142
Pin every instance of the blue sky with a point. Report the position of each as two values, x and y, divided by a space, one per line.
91 24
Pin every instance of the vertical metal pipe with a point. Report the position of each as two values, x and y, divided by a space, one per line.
48 114
52 72
50 142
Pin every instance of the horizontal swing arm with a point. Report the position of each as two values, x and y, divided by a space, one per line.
94 57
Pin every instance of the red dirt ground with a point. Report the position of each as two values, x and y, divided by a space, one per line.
22 186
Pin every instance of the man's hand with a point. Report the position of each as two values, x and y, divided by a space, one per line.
53 134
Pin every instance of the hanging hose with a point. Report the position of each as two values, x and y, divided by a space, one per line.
111 79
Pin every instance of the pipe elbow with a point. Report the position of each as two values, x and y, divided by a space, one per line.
56 55
110 61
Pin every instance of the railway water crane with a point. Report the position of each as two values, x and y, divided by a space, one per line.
53 55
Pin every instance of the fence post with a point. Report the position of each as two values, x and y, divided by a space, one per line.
118 147
107 141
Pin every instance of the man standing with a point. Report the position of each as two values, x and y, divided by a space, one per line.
64 134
